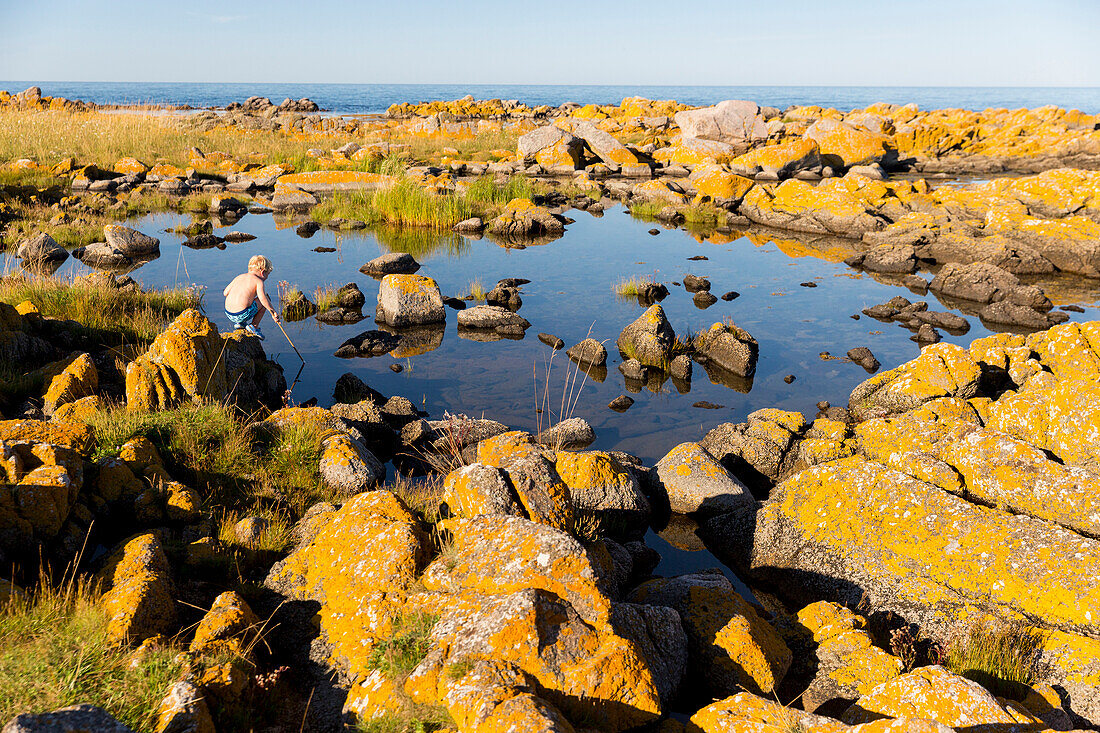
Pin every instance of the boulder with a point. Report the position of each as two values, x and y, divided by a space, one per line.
783 160
41 248
552 147
409 300
182 362
522 218
475 490
729 347
347 467
697 483
942 370
184 710
728 121
843 145
491 317
649 339
730 646
83 718
601 486
359 567
588 352
130 242
140 600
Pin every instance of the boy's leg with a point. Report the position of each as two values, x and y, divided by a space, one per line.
259 316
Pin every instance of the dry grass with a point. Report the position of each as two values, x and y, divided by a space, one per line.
632 287
477 290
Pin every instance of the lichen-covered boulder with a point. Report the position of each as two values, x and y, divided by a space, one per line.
130 242
731 647
859 528
230 620
530 470
409 300
848 663
140 597
649 339
937 694
477 489
1063 418
182 362
41 248
729 347
523 218
184 710
783 160
748 713
359 567
600 485
347 467
942 370
696 482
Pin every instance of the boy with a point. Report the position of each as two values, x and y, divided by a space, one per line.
245 295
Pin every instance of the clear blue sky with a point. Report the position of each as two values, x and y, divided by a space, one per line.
782 42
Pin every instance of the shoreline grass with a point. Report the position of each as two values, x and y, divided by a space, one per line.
1003 660
55 651
633 286
134 315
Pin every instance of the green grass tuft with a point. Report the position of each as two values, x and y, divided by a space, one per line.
1003 660
55 651
397 656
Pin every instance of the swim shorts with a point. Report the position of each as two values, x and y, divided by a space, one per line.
242 319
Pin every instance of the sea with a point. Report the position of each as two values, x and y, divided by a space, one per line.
345 99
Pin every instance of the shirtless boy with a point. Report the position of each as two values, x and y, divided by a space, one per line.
245 295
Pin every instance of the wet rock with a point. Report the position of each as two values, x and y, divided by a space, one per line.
789 378
368 343
729 347
895 259
680 368
808 284
704 405
621 403
650 293
1005 312
704 300
634 369
393 263
862 355
491 317
505 296
203 241
589 351
409 300
696 284
982 282
649 339
324 249
235 237
731 295
307 229
695 481
926 334
654 232
552 341
730 646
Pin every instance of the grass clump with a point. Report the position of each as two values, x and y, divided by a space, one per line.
275 538
402 204
1003 660
632 287
477 290
55 651
414 718
134 315
645 210
486 192
208 447
399 655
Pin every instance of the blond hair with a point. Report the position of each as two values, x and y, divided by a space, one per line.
261 263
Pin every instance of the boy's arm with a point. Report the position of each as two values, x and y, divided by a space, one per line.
225 293
262 295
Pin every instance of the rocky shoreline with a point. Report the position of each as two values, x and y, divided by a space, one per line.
454 573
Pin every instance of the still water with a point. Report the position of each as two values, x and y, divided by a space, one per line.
570 295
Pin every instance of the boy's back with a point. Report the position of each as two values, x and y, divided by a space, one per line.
240 293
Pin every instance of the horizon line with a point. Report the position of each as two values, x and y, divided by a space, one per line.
564 84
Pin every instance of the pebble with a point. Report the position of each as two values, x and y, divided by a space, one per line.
789 378
731 295
396 368
809 284
696 258
324 249
1073 308
654 232
704 405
